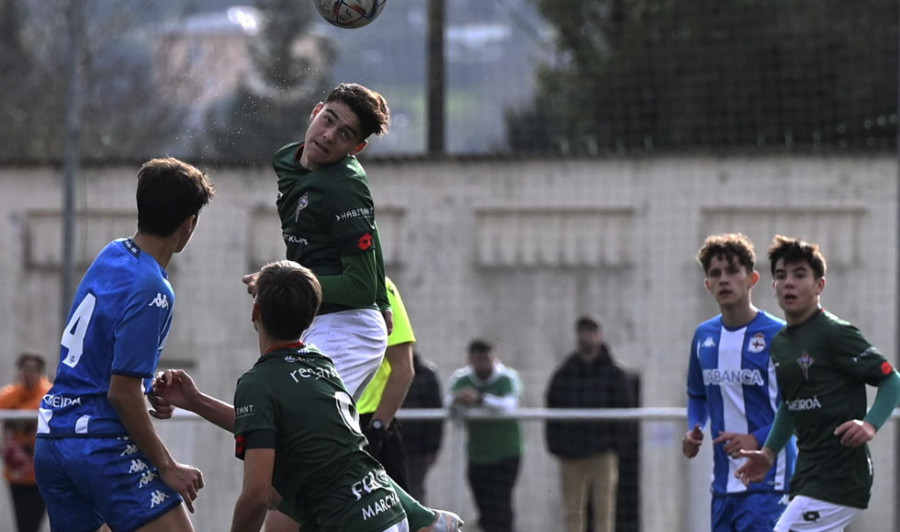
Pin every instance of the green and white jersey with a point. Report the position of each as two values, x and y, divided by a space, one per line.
822 366
492 440
293 400
327 214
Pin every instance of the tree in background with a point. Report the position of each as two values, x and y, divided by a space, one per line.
290 73
688 74
122 115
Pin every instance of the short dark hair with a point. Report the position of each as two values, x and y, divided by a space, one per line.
168 192
588 322
479 346
794 250
32 356
370 107
729 246
288 296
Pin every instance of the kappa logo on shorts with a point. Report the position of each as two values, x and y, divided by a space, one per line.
157 498
137 466
147 478
130 449
811 516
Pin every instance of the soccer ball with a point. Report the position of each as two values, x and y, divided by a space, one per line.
349 13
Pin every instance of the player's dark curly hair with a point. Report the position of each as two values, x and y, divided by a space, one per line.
288 296
370 107
729 246
794 250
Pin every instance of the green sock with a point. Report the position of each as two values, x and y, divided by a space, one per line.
417 515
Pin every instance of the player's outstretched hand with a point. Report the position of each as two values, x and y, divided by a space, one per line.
175 387
690 444
734 442
855 433
250 281
186 480
757 465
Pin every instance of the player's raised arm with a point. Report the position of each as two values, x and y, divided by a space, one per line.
177 388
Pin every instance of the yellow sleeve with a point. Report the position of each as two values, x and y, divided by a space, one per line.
403 331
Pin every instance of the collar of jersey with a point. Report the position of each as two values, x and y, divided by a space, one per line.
290 345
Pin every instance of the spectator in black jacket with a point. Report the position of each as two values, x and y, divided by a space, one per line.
588 451
422 439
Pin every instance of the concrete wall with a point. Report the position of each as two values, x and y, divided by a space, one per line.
509 250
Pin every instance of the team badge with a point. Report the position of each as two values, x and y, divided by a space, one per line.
301 204
757 343
805 361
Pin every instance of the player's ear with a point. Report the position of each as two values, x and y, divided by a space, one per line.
754 278
707 285
820 285
316 110
359 147
254 316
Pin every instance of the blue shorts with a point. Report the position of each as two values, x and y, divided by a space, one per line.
747 512
90 481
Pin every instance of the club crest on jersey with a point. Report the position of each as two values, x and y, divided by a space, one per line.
301 204
757 343
805 361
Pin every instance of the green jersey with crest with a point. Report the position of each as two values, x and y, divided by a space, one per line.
293 400
326 215
823 366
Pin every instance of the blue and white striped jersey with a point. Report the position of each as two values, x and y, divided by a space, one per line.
731 382
118 324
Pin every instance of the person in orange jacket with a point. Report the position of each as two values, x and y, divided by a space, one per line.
18 439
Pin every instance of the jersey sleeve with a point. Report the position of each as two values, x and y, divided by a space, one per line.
255 417
356 285
141 332
508 391
697 411
403 332
353 217
695 387
857 357
454 384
